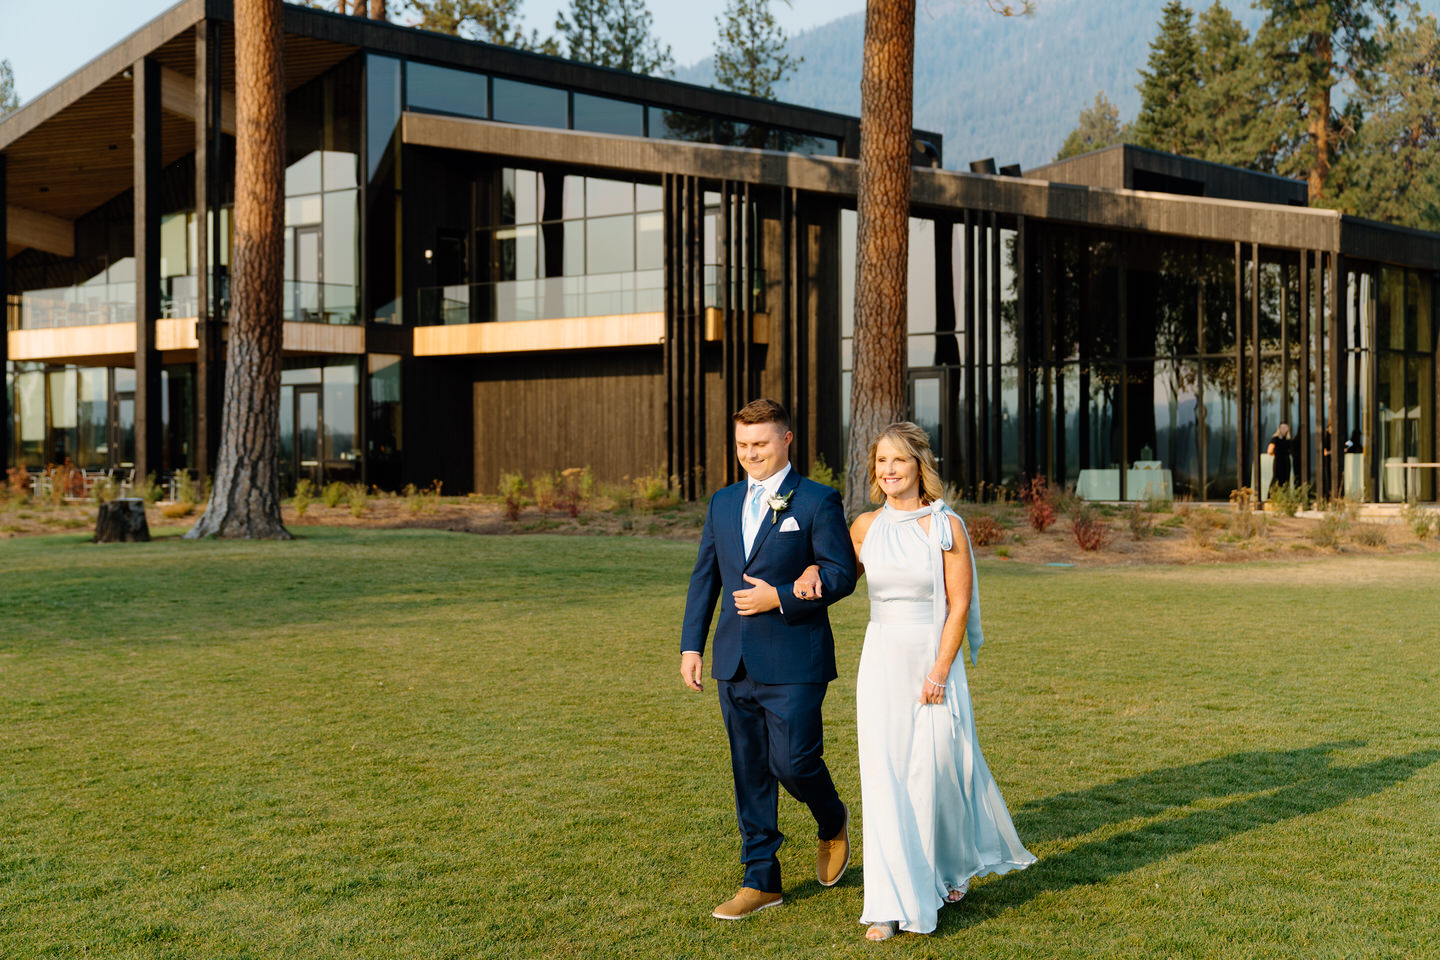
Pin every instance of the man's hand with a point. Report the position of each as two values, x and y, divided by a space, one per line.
808 584
758 599
691 665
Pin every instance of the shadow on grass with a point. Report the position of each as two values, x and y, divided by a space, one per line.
1274 786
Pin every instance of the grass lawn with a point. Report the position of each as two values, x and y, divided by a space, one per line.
422 744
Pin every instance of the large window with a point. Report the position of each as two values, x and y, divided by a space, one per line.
563 246
322 178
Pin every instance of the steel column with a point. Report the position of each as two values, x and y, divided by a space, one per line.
149 427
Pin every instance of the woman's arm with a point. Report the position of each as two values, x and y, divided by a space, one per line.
959 577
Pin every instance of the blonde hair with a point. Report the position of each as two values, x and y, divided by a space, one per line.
914 442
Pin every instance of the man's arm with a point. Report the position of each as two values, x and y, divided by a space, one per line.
834 555
705 586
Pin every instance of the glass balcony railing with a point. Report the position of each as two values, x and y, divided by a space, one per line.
555 298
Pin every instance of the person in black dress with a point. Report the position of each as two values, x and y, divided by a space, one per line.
1279 448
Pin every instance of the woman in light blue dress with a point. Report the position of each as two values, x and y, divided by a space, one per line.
933 816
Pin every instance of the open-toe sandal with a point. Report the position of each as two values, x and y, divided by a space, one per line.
883 930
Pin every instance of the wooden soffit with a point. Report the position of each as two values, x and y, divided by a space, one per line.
114 343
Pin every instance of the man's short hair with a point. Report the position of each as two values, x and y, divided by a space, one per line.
763 410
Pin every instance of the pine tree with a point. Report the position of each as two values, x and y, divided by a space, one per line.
750 52
613 33
1167 86
8 98
1099 126
1305 50
493 21
1229 122
1393 169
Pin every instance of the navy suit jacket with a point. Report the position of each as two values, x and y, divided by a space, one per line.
792 645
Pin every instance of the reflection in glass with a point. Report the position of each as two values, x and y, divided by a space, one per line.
1177 418
1008 423
1104 436
445 90
1218 423
606 197
649 241
925 399
679 125
920 300
341 398
94 418
529 103
382 97
30 410
610 244
383 428
604 115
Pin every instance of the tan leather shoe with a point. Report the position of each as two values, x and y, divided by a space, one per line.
833 856
747 901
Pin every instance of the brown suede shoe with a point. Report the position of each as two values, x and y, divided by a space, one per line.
833 856
747 901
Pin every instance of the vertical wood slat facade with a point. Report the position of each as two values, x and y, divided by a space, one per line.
1302 426
6 419
145 81
1338 352
1255 362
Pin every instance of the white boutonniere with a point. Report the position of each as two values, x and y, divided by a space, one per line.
778 504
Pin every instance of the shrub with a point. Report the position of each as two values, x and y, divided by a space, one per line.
821 472
1142 526
1290 499
1346 510
66 480
1155 504
576 489
984 531
1003 553
652 492
304 496
179 508
1423 522
1090 532
17 484
334 492
104 490
512 490
1370 535
1201 525
1039 507
1327 532
542 488
1087 528
185 490
1246 522
150 490
359 499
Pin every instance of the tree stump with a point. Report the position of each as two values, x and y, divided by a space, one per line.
122 521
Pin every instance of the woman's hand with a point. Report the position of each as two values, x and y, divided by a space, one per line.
807 585
932 688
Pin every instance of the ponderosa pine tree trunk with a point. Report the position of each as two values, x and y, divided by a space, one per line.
377 10
245 496
882 249
1320 138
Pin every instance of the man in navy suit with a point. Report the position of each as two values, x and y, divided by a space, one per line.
774 653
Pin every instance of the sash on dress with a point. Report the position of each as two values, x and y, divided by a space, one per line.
942 539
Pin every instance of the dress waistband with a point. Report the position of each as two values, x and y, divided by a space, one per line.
902 611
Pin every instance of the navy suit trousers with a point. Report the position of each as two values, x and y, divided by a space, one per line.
776 738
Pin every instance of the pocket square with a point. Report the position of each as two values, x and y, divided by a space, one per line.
789 525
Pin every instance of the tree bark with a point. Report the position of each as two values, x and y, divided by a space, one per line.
122 521
877 388
377 10
245 498
1320 138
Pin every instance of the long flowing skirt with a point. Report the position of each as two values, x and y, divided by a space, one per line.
933 815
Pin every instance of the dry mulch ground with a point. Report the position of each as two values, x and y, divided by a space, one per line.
1181 534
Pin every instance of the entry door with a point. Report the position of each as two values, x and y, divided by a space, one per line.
309 427
929 411
122 430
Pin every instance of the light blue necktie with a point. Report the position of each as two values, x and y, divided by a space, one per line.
754 510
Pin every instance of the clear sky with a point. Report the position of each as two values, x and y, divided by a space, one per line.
46 40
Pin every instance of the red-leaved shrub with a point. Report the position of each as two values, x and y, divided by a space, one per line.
1039 504
984 531
1090 532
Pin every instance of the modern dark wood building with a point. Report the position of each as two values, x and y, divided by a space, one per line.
498 261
